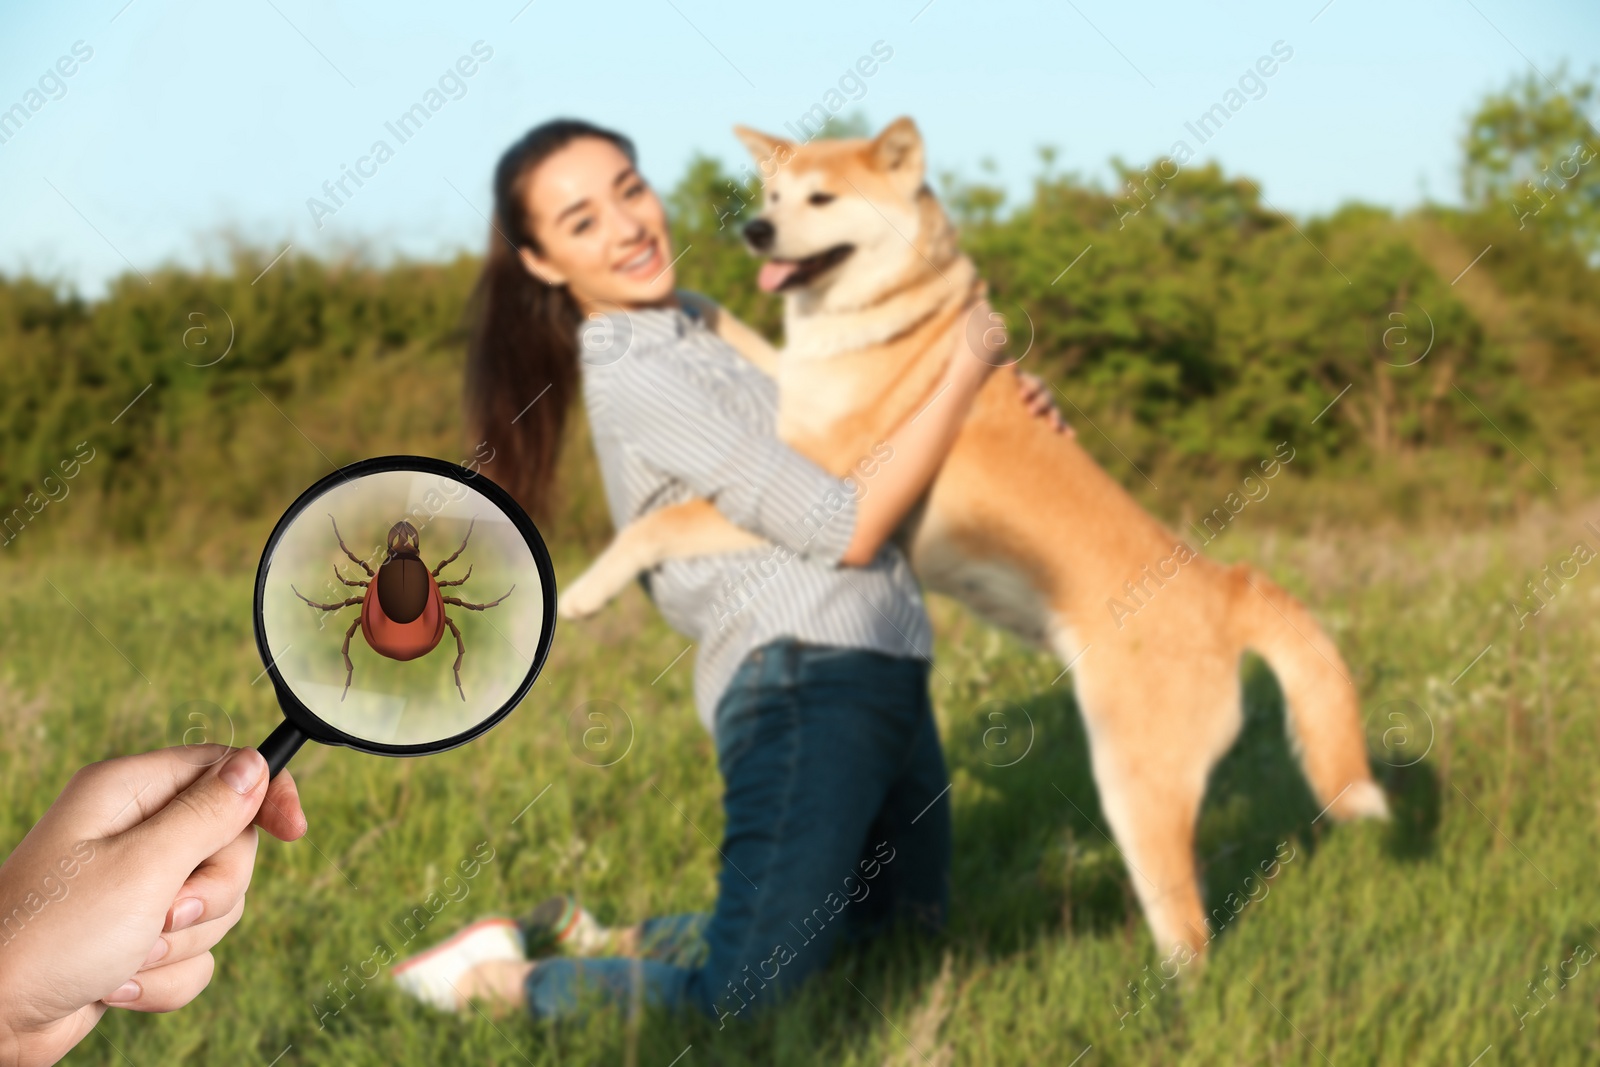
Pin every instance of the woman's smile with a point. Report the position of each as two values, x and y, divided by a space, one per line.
641 264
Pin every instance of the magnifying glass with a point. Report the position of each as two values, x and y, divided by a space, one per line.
404 605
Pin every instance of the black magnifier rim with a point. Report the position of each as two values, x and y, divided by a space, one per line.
307 720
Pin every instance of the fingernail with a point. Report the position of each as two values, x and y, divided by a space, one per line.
185 912
126 992
243 770
158 952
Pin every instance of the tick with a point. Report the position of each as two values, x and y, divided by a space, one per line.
402 611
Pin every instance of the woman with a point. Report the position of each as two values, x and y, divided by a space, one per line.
814 687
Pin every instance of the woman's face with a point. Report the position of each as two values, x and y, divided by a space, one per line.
600 228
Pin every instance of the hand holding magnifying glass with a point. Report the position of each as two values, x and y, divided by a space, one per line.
183 837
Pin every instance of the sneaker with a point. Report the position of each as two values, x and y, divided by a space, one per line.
560 924
434 976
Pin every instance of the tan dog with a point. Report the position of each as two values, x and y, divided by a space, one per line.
1021 525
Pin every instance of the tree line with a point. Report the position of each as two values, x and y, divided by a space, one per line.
1189 327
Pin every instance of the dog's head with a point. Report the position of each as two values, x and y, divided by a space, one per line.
839 214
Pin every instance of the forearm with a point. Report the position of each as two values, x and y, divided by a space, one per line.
919 447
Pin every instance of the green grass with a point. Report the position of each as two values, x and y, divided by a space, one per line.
1409 943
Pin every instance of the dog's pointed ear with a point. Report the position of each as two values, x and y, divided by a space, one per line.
897 151
764 146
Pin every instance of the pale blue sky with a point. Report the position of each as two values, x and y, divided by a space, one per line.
194 117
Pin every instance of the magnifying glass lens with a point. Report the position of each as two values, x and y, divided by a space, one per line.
402 609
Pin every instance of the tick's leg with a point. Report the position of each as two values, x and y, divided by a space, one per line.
461 650
357 560
459 581
328 607
476 607
346 581
452 556
349 668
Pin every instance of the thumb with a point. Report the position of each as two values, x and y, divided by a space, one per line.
206 816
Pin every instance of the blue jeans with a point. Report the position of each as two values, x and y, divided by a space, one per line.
837 825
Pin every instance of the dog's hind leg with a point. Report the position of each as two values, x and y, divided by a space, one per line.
1153 747
1153 823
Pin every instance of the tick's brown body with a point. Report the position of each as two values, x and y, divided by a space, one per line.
402 612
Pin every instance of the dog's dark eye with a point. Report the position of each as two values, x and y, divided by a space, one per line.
819 199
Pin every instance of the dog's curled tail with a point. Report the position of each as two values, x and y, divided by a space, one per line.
1323 710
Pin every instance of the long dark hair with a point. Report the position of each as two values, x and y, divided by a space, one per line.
522 351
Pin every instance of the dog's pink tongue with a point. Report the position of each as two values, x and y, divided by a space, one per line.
774 272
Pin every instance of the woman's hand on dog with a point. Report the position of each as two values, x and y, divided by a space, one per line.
1036 397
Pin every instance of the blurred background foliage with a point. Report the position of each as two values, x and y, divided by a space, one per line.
1189 326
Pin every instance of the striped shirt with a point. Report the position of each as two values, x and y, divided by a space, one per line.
676 413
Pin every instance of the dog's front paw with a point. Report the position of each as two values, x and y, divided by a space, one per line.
584 597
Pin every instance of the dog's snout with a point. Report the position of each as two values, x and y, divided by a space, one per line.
759 233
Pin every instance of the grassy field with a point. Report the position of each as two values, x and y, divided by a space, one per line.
1411 943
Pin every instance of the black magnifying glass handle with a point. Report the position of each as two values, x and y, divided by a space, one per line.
280 746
